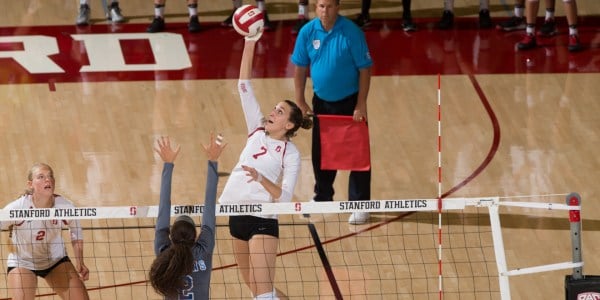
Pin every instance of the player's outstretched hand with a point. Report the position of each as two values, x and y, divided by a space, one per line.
255 37
167 154
215 146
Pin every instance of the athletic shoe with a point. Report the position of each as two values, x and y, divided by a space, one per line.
574 44
512 24
158 24
114 13
299 24
359 218
228 22
447 20
84 15
485 21
363 20
194 25
527 43
408 25
548 28
267 23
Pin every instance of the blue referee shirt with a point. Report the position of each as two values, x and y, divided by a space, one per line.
334 57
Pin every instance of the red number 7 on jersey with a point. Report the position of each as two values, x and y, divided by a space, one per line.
263 152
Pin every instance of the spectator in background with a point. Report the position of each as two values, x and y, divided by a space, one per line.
447 21
364 18
303 16
518 21
158 23
260 4
529 40
114 13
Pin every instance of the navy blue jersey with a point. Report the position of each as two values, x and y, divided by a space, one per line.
199 281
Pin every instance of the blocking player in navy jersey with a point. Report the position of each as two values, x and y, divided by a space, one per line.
266 172
39 249
183 263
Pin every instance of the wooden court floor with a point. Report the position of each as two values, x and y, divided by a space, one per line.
504 134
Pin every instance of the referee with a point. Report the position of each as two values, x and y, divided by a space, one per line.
336 51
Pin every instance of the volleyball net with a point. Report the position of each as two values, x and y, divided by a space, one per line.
400 254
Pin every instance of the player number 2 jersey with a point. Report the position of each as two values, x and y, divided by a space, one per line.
38 244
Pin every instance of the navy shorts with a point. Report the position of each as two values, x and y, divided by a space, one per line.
44 273
245 227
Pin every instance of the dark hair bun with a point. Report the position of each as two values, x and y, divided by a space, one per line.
307 122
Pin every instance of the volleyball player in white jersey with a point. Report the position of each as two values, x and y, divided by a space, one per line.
39 249
266 172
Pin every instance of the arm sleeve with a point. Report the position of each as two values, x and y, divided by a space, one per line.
290 176
75 230
250 106
208 215
161 234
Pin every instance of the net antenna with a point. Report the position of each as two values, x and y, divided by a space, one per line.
439 146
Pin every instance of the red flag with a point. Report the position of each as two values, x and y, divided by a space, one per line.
344 143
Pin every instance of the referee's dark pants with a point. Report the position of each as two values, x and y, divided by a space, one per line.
359 185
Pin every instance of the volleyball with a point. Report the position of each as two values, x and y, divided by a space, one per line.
247 20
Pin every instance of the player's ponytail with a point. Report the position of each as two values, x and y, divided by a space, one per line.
169 269
298 119
307 122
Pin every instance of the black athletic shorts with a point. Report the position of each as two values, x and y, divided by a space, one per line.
244 227
44 273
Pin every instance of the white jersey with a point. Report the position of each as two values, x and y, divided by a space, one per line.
39 243
278 161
